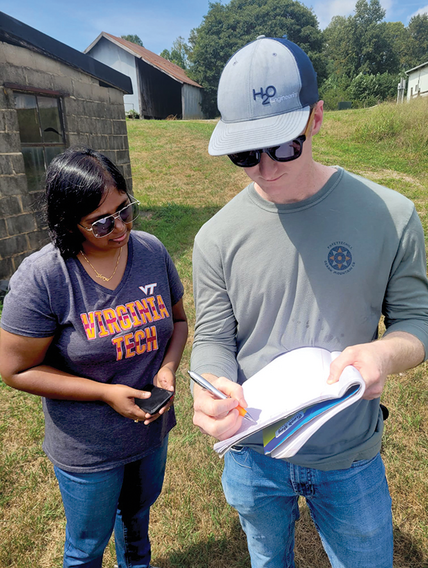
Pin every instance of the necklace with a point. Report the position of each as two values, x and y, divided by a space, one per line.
104 278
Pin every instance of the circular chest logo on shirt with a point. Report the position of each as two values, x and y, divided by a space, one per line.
339 258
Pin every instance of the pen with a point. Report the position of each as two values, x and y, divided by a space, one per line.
209 387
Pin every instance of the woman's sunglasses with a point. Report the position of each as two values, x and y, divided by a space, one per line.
104 226
285 152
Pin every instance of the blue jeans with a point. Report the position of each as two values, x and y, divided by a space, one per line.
351 509
119 499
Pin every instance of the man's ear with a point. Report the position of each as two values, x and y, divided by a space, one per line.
318 118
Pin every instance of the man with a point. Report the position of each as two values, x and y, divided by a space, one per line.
306 255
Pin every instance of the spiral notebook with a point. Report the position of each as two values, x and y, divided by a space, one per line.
290 400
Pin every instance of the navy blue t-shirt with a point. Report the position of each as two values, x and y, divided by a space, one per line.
111 336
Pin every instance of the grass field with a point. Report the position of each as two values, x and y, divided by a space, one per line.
180 187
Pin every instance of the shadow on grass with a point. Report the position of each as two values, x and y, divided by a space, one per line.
175 225
406 553
231 552
309 552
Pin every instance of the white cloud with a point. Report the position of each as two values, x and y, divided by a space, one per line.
420 12
387 4
325 11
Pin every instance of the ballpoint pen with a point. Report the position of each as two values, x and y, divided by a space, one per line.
209 387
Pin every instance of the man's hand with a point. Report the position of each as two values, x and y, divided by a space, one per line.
368 361
394 353
218 418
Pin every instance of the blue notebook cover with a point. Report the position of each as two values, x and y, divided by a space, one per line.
275 434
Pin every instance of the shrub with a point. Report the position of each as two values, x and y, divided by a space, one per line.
372 89
132 114
333 91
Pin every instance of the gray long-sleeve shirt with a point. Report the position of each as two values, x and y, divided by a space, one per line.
269 278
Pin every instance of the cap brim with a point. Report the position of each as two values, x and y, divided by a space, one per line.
231 138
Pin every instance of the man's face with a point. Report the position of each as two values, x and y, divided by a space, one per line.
279 181
275 178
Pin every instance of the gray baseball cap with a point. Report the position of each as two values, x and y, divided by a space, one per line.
264 96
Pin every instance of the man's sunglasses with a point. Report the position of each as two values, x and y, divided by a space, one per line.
104 226
285 152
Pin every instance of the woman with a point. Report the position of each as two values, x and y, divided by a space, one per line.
88 322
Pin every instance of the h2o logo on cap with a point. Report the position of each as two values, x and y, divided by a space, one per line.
265 95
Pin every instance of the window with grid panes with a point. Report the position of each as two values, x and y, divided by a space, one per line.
41 132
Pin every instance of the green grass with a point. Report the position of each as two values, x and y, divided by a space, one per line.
180 187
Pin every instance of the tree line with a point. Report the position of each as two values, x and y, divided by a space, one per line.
358 58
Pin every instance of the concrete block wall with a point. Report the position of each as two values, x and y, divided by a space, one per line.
21 227
93 116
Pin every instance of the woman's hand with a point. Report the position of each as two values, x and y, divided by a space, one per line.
121 399
165 379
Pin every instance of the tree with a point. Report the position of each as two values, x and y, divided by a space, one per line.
179 53
364 55
418 30
227 28
361 43
399 37
341 58
368 13
134 39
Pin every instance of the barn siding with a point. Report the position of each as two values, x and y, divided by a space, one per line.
119 59
191 100
160 94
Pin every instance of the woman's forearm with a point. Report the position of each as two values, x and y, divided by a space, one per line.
43 380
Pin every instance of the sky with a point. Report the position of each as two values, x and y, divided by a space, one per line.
158 23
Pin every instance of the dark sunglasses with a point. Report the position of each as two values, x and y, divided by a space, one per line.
104 226
285 152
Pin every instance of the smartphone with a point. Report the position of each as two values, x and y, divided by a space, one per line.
157 400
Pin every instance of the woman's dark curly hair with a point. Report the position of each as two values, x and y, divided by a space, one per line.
75 185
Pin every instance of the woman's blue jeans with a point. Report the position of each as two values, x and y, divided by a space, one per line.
351 509
119 499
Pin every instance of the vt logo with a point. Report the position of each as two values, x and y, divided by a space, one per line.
148 289
265 95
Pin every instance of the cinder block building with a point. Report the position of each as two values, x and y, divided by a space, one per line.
51 97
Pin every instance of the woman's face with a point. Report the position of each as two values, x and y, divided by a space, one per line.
112 202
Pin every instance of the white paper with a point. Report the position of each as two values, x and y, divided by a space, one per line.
290 382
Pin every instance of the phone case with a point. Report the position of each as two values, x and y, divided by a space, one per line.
157 400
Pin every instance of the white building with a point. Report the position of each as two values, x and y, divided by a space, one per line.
417 83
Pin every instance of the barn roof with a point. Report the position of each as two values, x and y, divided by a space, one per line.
149 57
17 33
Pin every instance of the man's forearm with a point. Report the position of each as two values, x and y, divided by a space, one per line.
403 351
395 352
